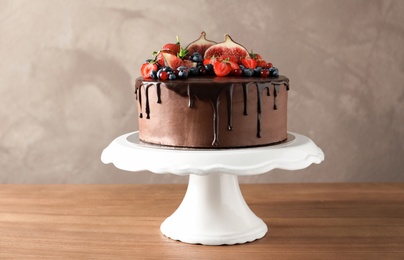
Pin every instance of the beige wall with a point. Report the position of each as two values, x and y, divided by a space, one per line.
67 70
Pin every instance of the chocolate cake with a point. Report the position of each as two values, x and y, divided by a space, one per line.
213 112
218 97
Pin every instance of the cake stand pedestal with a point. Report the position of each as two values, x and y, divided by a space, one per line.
213 211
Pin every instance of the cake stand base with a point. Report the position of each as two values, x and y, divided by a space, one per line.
214 212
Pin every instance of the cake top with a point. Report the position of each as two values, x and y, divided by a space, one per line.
204 57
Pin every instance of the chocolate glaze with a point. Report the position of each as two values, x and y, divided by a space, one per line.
211 89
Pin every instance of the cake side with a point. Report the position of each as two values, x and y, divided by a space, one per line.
213 112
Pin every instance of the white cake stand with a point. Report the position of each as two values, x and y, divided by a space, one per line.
213 211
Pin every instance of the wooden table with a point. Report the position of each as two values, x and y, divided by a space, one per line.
306 221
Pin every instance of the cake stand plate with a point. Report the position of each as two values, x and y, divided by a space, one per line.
213 211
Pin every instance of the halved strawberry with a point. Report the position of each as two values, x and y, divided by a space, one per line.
209 60
222 68
234 65
249 62
147 68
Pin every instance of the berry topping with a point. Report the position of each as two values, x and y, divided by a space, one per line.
247 72
205 57
162 74
268 65
172 47
196 57
147 68
249 62
222 68
183 72
273 72
260 61
264 73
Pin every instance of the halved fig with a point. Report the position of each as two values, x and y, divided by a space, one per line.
173 61
200 45
228 49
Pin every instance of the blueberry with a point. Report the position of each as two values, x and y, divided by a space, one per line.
166 68
148 60
171 76
182 68
257 71
209 67
201 70
196 57
273 72
242 67
183 74
248 72
193 71
153 74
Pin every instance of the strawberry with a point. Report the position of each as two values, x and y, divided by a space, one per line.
260 61
209 60
175 48
147 68
234 65
249 62
222 68
172 60
172 47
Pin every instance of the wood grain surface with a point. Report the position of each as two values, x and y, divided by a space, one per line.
306 221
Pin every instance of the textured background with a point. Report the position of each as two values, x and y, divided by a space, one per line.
67 70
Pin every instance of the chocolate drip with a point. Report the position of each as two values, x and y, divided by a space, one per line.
138 93
260 89
245 94
158 90
191 100
197 89
229 94
276 92
216 122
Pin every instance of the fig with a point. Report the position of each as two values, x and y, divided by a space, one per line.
173 61
200 45
228 49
